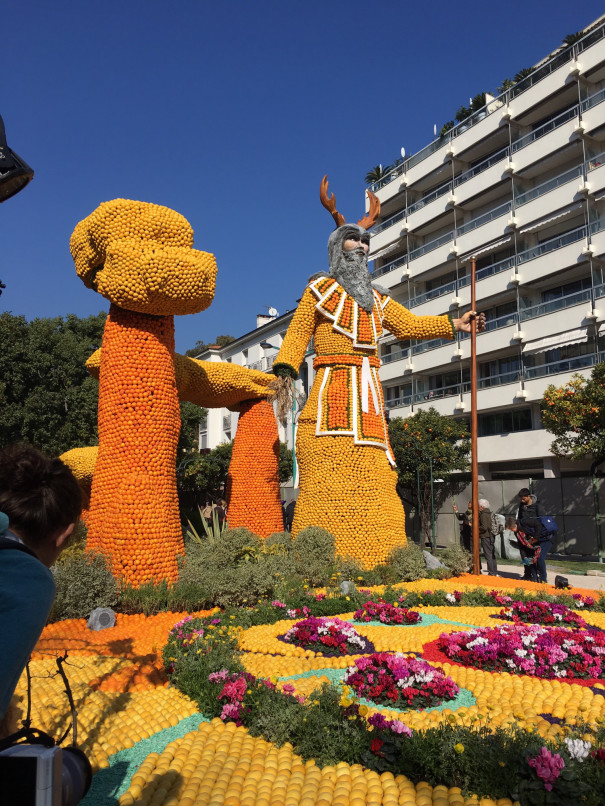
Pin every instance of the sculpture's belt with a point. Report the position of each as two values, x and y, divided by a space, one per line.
345 360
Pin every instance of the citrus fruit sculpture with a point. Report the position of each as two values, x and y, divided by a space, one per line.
140 256
347 476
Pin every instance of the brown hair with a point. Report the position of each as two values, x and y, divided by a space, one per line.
40 495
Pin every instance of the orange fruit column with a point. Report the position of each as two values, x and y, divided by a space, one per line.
134 512
253 494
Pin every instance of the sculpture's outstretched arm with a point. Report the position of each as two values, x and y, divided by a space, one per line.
207 383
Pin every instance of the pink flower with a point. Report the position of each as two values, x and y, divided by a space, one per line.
548 766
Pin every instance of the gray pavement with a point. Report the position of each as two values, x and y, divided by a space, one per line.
588 581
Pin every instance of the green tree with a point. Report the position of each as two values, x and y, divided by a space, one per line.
427 443
201 346
47 396
575 414
191 417
207 474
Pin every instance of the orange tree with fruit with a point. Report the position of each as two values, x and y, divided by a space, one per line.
140 256
347 475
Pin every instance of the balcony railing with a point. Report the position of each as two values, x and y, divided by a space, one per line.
484 219
431 344
494 268
556 367
559 304
546 187
552 244
263 364
430 197
448 288
595 162
481 166
405 400
593 100
505 320
517 89
599 290
388 222
442 391
395 355
434 244
550 126
597 226
394 264
499 380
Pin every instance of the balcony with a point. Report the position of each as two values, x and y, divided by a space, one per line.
388 222
546 187
441 392
405 400
430 344
494 268
558 367
396 355
399 263
593 100
547 139
592 112
546 128
432 245
493 224
559 304
434 293
553 243
499 380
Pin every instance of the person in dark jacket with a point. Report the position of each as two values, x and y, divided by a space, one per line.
528 505
466 532
40 504
487 538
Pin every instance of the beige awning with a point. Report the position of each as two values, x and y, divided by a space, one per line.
386 251
561 340
491 247
543 222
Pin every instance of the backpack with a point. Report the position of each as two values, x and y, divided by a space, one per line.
548 524
495 524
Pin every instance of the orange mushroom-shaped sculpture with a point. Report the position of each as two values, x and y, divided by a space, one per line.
140 256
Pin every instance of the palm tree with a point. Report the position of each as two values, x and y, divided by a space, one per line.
376 174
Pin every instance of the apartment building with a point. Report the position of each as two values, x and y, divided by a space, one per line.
520 186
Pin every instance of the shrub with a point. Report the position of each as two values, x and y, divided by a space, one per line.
280 539
457 559
83 583
76 545
349 568
408 562
314 549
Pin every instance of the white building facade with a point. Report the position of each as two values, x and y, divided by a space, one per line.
519 185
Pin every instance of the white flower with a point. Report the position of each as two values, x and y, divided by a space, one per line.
477 642
578 748
558 617
450 598
579 603
520 653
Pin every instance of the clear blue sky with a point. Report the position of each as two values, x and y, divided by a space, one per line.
231 112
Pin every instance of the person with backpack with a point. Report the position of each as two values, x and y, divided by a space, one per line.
40 505
487 537
543 529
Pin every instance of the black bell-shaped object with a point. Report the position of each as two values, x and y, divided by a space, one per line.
14 172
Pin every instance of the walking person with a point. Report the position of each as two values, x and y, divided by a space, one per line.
487 537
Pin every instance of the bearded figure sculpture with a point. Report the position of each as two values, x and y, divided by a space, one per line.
347 475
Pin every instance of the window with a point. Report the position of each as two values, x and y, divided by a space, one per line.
504 422
566 290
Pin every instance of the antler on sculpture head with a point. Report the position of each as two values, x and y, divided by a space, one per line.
367 222
329 202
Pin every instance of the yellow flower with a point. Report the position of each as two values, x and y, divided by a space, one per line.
363 710
459 748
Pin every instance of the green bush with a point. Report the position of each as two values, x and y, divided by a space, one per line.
408 562
457 559
349 568
280 539
314 550
155 597
83 582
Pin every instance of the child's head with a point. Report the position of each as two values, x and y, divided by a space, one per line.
41 498
511 524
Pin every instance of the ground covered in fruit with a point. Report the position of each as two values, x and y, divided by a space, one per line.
150 744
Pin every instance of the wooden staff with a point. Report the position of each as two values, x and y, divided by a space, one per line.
474 458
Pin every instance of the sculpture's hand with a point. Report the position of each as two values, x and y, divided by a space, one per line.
465 322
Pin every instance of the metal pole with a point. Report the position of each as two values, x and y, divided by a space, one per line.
418 518
474 458
434 541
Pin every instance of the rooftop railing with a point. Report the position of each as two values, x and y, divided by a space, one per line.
551 184
558 304
517 89
552 244
546 128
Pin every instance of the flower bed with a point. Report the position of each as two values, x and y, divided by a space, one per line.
540 612
329 636
549 652
393 679
386 613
